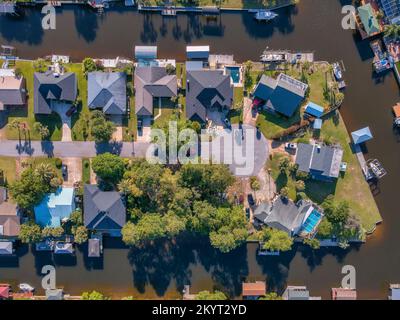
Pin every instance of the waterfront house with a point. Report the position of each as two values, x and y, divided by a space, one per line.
12 91
367 22
296 219
320 161
283 95
104 211
151 83
6 248
298 293
52 89
253 290
107 91
207 91
55 207
391 9
9 220
344 294
362 135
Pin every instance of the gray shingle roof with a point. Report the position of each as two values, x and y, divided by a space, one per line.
12 91
49 87
206 89
323 160
152 82
103 210
107 90
6 247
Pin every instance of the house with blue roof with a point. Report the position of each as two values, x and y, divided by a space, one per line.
107 91
55 207
314 110
283 95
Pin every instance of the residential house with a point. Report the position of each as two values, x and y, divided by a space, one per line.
344 294
12 91
52 89
253 290
314 110
55 207
107 91
9 220
207 91
296 219
391 9
298 293
367 21
283 95
104 211
320 161
150 83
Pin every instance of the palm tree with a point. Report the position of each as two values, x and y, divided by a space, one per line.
16 124
45 171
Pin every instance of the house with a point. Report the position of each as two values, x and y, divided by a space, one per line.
362 135
391 9
62 247
104 211
6 248
10 223
107 91
253 290
51 89
55 207
298 293
12 91
283 95
206 91
321 162
150 83
296 219
344 294
368 24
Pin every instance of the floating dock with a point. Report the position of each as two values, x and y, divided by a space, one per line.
278 56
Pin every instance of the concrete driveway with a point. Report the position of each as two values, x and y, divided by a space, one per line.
143 135
61 108
74 171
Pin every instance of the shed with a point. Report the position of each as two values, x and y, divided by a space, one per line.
314 110
317 124
145 52
253 289
197 52
361 135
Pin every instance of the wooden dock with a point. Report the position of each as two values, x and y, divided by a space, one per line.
363 163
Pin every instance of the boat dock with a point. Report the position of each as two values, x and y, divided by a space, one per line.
382 61
278 56
372 169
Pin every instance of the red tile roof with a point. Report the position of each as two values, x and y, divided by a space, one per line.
252 289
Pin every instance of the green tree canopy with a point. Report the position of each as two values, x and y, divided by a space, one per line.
276 240
80 234
207 295
101 129
93 295
30 233
109 167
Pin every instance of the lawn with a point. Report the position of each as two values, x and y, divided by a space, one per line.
86 170
130 131
26 115
7 165
163 115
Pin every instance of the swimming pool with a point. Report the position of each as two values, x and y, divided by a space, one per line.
234 73
311 221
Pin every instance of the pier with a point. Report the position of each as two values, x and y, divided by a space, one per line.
278 56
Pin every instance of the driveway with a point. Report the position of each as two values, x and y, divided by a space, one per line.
118 121
143 135
61 108
249 117
74 171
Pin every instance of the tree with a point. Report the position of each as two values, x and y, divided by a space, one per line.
80 234
16 125
271 296
89 65
40 66
109 167
313 243
42 130
254 183
284 165
170 69
284 192
336 212
52 232
207 295
276 240
101 129
76 218
94 295
300 185
248 79
30 233
325 229
149 227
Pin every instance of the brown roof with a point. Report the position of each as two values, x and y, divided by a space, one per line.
396 110
9 221
11 90
257 288
344 294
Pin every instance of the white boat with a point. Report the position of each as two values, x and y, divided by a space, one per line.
26 287
337 71
265 15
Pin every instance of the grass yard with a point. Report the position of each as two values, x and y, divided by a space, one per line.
235 114
7 165
26 114
86 170
163 115
130 131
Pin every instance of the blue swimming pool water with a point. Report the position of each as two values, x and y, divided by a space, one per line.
235 73
311 221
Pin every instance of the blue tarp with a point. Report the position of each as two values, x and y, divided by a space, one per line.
361 135
314 110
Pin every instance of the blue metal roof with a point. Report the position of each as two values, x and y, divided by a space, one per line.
361 135
314 109
317 124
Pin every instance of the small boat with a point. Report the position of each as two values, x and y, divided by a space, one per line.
337 71
25 287
265 15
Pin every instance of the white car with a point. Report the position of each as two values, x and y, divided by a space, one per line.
291 146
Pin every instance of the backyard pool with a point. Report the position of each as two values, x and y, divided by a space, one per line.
234 73
311 221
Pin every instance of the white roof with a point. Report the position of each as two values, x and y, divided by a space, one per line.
197 48
7 73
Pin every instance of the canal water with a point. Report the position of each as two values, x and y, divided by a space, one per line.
161 271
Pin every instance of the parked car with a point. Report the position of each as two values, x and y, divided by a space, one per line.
71 111
248 213
250 200
291 146
64 170
227 122
139 124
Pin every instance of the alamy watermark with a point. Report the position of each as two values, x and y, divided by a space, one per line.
49 20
